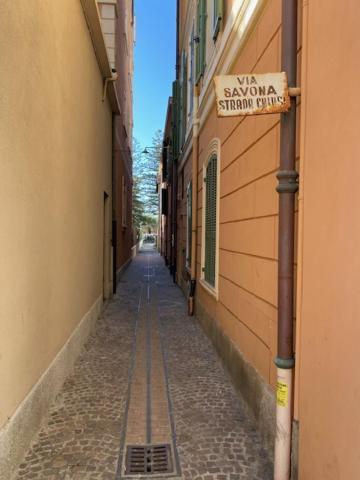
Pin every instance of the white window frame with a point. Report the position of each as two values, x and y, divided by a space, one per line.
213 149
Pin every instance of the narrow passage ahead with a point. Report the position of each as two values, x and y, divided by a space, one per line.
148 397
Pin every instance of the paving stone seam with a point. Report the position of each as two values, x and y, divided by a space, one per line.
148 362
167 387
122 452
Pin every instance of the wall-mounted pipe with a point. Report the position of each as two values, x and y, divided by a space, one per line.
107 80
175 159
174 219
287 188
114 202
194 192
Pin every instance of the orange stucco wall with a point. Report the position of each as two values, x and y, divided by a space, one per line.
249 157
329 327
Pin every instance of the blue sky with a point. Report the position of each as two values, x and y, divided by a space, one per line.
154 65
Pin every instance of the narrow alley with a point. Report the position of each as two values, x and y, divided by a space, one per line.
148 376
179 241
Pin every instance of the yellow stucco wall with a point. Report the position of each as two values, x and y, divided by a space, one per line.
55 164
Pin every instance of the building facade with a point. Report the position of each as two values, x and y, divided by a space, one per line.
165 190
225 239
117 22
65 136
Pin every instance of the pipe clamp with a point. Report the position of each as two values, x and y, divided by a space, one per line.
288 181
285 363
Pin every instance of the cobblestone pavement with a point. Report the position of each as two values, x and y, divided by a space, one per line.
84 435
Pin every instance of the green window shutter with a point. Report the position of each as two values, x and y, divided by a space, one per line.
183 113
203 36
210 221
175 118
197 45
200 39
192 73
218 15
189 224
178 116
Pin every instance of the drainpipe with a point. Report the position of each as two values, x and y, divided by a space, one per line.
175 159
287 187
171 221
195 151
174 218
114 198
177 66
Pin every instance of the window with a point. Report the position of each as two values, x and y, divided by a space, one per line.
176 118
164 201
188 224
183 99
191 72
210 218
217 17
210 221
200 39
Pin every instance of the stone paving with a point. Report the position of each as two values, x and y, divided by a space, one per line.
84 435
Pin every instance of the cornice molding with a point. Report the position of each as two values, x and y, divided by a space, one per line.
92 17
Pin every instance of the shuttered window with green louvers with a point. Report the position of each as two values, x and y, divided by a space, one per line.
191 73
200 39
183 101
189 224
218 15
175 118
210 221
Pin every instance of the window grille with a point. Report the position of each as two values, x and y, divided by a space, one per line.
210 221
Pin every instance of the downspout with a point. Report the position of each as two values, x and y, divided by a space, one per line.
194 192
114 198
107 80
174 218
287 187
175 157
171 221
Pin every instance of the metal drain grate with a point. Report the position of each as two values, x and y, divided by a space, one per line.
148 460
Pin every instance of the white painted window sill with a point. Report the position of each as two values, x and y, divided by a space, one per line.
209 289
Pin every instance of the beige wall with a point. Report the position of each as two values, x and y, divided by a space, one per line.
329 327
55 150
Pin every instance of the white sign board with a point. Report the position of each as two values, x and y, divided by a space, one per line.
251 94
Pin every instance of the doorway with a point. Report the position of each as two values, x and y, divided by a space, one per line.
107 283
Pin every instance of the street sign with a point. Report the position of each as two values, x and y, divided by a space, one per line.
251 94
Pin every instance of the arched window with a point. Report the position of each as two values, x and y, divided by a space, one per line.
210 224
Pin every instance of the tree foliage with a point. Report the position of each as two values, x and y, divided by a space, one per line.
145 170
138 206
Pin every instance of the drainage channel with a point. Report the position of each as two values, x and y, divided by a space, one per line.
149 460
149 445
